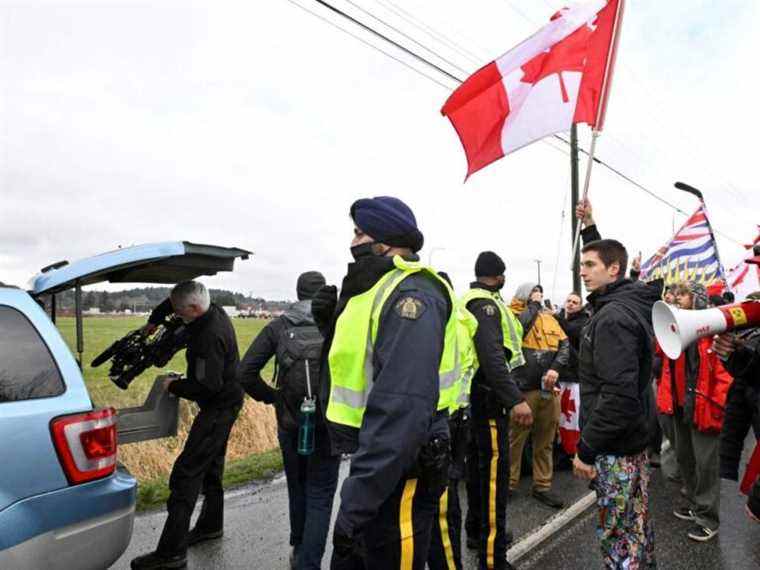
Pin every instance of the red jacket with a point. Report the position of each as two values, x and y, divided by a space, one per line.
712 384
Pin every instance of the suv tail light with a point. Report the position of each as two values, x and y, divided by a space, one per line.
86 444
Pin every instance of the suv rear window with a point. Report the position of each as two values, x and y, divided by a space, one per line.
27 369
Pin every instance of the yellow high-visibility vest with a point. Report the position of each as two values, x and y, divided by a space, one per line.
512 330
350 356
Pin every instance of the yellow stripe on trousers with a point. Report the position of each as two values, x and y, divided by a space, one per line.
405 525
443 522
492 496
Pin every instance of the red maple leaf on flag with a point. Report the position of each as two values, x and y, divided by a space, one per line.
567 405
567 55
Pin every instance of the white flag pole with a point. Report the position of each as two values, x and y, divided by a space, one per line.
592 150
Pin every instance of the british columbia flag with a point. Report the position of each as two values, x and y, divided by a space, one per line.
690 255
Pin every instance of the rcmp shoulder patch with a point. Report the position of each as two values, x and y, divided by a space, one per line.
489 310
409 308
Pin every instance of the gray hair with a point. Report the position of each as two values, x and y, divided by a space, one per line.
191 293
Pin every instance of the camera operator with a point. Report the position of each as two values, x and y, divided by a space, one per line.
212 360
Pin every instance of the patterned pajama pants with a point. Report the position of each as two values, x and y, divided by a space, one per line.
625 529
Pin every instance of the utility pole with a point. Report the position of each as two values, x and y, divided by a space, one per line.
574 185
538 266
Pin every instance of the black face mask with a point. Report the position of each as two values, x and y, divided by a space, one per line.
365 250
500 285
362 250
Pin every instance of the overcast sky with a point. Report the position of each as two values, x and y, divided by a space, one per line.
256 124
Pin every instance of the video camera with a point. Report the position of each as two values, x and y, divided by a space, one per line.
136 352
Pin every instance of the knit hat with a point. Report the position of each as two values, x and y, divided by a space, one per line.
698 294
489 264
388 220
308 284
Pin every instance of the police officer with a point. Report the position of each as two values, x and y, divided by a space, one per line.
212 359
295 342
389 379
498 344
446 540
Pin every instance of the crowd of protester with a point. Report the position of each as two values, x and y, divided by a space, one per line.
424 389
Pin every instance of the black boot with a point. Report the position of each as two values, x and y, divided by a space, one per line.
156 561
196 535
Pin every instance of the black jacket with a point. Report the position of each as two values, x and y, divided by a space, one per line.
261 351
494 389
742 404
212 360
615 366
401 413
573 326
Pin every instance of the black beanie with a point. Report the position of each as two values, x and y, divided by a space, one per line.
489 265
308 284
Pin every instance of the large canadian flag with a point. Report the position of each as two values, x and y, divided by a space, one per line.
557 77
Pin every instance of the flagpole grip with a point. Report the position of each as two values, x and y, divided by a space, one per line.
586 183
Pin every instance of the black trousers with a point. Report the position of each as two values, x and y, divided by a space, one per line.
312 481
487 487
200 465
399 536
446 540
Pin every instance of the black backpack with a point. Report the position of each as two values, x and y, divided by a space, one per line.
297 346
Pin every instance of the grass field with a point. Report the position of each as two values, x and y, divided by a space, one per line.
249 453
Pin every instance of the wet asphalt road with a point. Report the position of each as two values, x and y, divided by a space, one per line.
737 546
256 532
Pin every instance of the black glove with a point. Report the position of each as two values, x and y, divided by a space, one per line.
434 460
323 305
345 551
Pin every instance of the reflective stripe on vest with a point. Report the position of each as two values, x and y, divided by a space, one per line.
351 353
467 326
511 328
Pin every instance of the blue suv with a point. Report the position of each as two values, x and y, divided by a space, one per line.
64 500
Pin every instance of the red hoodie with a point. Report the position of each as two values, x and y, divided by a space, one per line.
712 384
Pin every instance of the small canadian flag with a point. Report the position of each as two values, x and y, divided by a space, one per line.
570 407
559 76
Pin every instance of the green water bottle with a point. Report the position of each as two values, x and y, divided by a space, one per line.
306 427
306 423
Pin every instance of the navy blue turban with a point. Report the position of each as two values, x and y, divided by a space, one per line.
388 220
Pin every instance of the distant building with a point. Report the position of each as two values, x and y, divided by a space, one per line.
231 310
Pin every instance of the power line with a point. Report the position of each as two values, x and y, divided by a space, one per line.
405 35
419 24
373 46
460 80
405 49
